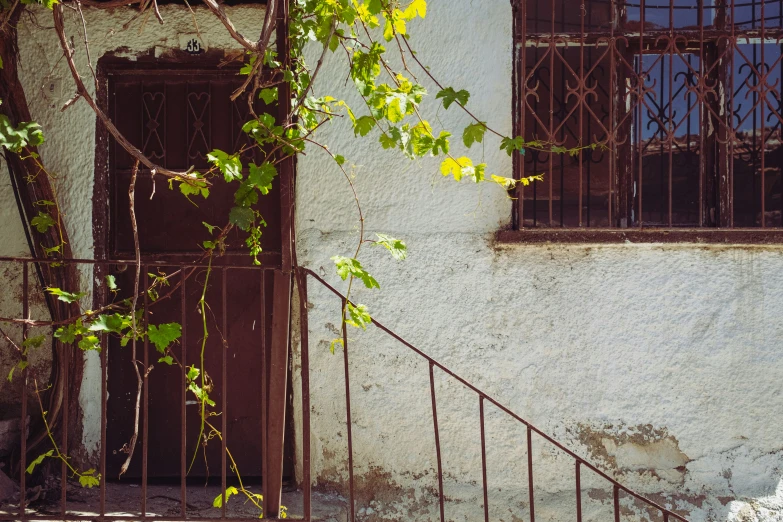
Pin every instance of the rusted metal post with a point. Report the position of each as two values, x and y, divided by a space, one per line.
437 442
277 394
23 420
305 369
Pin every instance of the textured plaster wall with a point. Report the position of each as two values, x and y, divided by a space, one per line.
70 145
13 244
661 363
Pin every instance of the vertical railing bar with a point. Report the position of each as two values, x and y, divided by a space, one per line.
670 133
145 384
305 370
616 496
23 420
640 101
224 401
183 396
104 397
702 123
730 121
582 101
530 474
483 459
104 359
763 144
578 491
613 177
551 131
66 356
264 369
437 442
348 415
522 112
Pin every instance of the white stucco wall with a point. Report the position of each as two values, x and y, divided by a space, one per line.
14 244
658 362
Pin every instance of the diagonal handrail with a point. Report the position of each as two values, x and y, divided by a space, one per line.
483 396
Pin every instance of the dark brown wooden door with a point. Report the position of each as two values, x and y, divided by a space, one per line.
176 117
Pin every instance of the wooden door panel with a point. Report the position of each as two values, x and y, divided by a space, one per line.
176 120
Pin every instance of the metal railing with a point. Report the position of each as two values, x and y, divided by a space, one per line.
483 398
181 275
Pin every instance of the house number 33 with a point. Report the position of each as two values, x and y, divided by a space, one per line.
193 46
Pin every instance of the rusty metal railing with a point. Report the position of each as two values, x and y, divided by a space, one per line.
173 301
483 398
185 275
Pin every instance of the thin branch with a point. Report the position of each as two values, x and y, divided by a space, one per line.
11 342
218 11
59 26
87 44
428 73
10 14
139 380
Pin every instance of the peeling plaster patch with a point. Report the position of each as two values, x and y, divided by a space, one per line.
638 449
764 509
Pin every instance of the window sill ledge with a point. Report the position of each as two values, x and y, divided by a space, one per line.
649 235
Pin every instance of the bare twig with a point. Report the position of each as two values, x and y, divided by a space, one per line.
10 14
218 10
59 26
87 44
10 341
259 48
139 380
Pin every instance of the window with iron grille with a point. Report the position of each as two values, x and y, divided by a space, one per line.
682 97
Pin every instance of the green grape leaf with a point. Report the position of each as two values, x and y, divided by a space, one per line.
334 344
163 335
416 7
449 96
42 222
38 460
89 342
229 164
218 502
66 297
375 6
192 373
348 266
358 316
457 167
17 138
89 479
396 247
111 283
34 342
473 133
510 145
268 95
242 217
108 323
363 126
261 176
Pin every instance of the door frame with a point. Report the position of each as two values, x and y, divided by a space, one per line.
278 455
